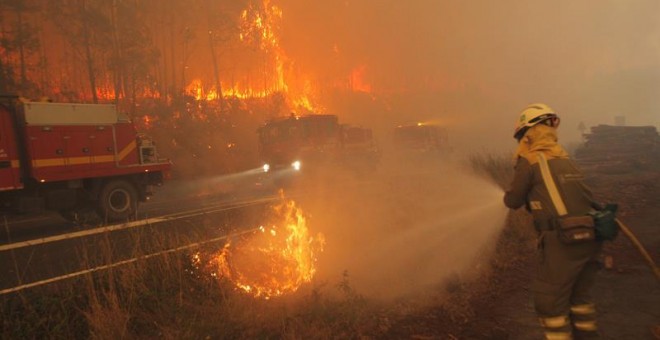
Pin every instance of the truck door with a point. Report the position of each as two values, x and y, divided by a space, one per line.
102 144
9 163
78 149
47 150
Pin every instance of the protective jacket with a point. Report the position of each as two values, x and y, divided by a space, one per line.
529 189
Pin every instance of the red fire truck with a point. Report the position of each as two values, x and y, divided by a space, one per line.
359 150
309 141
74 157
284 143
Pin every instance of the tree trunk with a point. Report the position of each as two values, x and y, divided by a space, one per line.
172 49
214 59
88 52
21 46
216 71
117 72
43 60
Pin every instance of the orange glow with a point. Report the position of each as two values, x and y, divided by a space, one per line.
304 104
236 92
147 122
358 82
105 93
275 260
260 26
259 30
196 89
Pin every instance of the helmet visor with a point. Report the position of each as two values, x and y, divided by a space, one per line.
540 118
536 120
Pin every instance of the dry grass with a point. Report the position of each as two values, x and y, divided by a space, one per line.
496 167
169 297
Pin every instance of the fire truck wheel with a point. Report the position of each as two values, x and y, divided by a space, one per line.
117 201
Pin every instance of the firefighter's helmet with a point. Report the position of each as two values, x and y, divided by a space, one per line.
532 115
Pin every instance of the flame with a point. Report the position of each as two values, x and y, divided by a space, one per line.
147 122
357 80
276 259
196 89
260 25
105 93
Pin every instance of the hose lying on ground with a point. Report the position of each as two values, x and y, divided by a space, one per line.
640 247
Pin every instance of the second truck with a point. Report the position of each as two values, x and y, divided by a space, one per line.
301 143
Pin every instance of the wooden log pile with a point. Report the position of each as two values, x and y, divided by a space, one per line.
619 149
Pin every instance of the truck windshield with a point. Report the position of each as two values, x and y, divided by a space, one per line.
304 128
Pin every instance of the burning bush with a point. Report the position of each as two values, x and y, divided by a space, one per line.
277 258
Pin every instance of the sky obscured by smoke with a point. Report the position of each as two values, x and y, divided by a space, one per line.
480 62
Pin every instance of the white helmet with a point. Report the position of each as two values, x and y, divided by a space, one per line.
532 115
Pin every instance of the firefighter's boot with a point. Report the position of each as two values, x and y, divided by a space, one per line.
556 327
583 318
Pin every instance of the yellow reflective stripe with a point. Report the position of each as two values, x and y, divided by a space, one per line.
535 205
85 159
550 185
124 152
586 325
38 163
15 163
558 336
104 159
589 308
554 322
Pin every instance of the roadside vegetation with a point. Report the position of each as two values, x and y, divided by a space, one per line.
177 296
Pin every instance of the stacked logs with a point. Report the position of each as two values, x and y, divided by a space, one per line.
620 149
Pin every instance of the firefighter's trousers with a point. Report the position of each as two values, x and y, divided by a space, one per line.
565 274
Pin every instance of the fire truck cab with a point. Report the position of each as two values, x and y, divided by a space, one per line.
296 142
306 143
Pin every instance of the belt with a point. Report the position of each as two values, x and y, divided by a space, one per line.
548 224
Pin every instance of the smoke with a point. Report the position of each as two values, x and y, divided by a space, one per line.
472 65
408 227
478 63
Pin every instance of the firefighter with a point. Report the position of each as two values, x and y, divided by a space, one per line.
565 272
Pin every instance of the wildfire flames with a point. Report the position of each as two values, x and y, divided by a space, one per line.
260 25
277 259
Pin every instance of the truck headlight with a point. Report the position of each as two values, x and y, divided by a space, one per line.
266 167
296 165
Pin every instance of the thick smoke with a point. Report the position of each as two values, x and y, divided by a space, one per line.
480 62
407 228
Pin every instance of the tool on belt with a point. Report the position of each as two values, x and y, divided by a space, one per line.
603 226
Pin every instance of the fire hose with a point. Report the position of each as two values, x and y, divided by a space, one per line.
640 248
